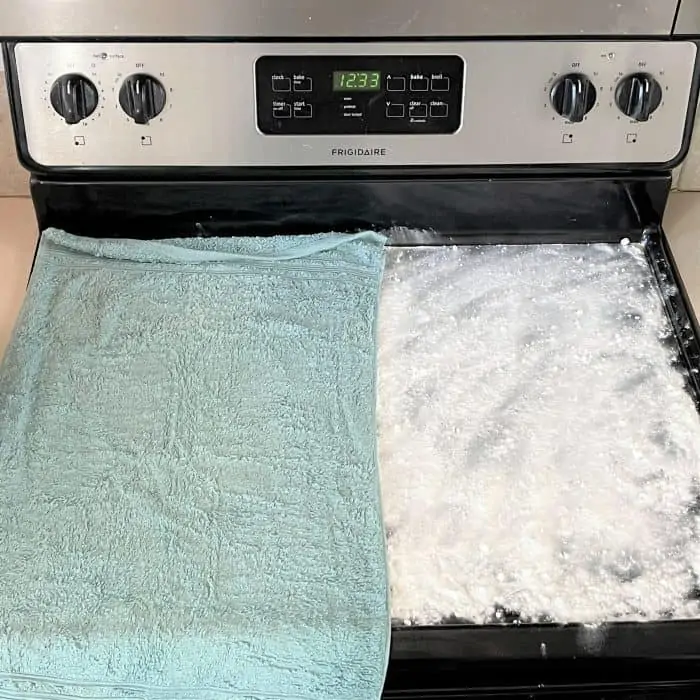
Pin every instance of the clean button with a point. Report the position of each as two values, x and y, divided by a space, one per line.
438 109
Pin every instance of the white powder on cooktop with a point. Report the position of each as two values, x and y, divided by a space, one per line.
539 452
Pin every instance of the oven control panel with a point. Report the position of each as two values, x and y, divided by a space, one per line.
359 94
352 103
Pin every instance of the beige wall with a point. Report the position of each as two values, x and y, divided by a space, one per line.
13 179
689 177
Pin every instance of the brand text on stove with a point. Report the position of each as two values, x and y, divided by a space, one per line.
353 152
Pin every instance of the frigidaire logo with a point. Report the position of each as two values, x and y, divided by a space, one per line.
355 152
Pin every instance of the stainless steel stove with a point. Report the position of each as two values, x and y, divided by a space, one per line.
483 121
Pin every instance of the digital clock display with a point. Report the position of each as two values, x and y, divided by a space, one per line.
367 80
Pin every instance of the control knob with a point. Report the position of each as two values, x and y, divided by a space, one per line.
142 97
74 97
638 96
573 96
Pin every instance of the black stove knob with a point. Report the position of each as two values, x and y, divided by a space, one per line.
638 96
74 97
142 97
573 96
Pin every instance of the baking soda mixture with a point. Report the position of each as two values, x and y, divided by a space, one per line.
539 452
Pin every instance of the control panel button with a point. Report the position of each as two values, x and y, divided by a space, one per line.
440 84
303 111
418 111
439 110
303 83
395 110
395 83
419 84
281 83
281 110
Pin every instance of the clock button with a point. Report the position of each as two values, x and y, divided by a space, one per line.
281 84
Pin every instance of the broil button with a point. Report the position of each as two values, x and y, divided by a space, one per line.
440 84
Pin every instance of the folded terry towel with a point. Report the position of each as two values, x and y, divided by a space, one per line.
189 501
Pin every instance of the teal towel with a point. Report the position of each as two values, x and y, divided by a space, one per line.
189 490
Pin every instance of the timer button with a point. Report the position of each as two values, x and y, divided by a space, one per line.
395 110
281 84
440 84
302 83
395 84
281 110
419 84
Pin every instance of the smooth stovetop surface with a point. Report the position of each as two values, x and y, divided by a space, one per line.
18 234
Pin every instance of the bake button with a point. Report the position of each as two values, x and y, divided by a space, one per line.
419 84
440 84
281 84
302 83
438 109
419 111
303 111
395 110
281 110
395 84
